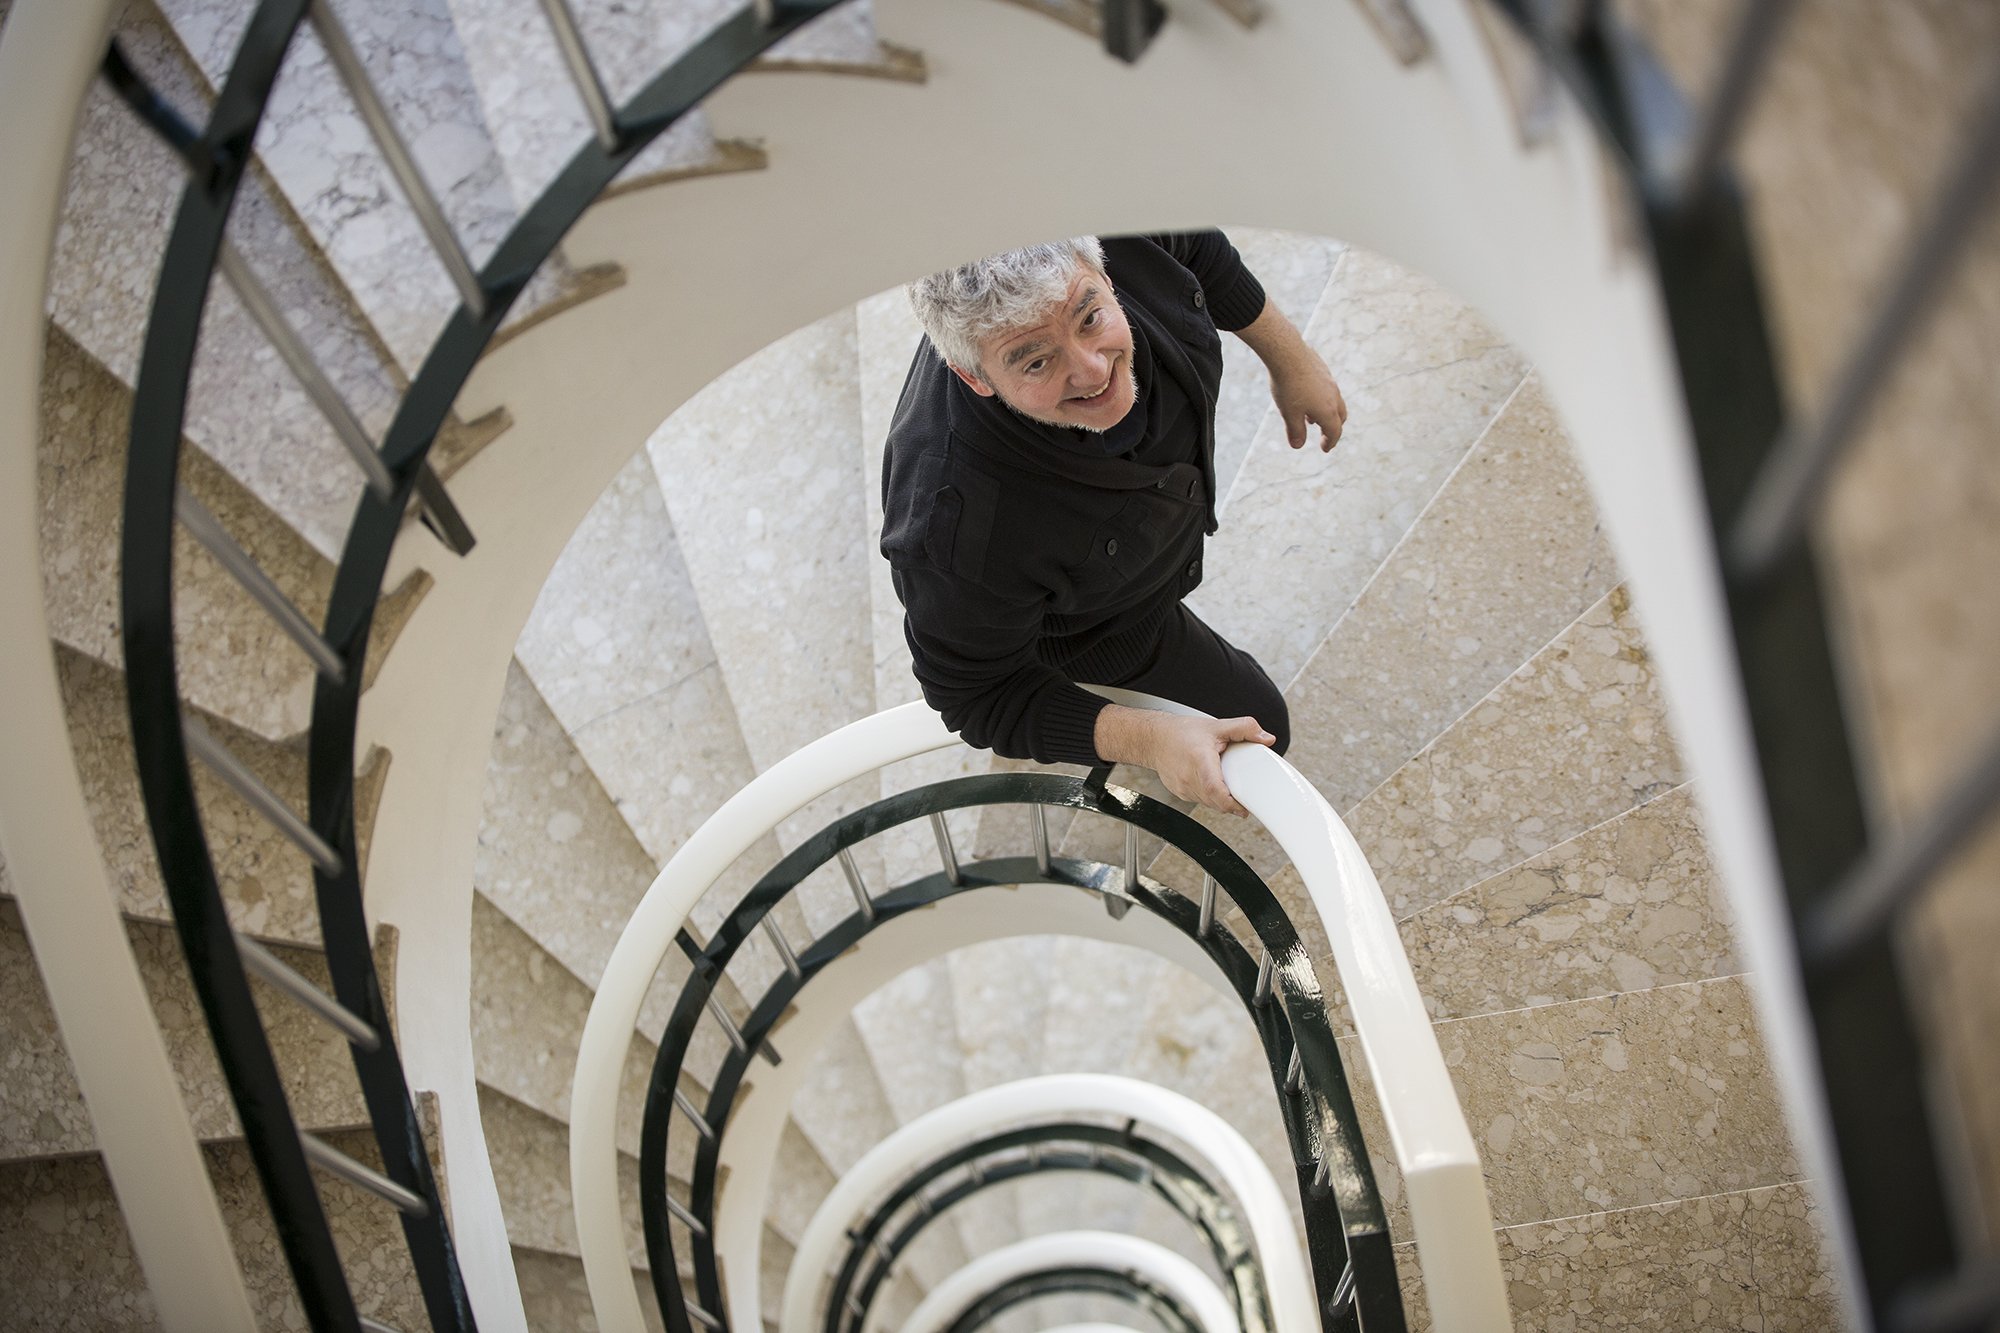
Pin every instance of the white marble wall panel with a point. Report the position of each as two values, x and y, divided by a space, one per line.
534 115
322 156
1422 375
1294 270
244 407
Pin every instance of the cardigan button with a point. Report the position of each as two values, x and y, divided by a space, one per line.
1111 547
1194 567
1199 299
1191 486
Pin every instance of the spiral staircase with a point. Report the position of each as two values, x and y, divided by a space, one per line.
666 452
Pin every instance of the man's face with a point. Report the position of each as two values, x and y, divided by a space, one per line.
1074 368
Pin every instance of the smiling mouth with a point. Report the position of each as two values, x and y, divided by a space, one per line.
1089 398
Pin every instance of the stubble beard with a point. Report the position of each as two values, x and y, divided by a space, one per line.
1127 369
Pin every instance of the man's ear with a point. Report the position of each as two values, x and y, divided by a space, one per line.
972 381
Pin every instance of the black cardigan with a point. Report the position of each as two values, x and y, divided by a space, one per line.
1024 562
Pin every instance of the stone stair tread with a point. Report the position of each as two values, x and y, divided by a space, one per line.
618 649
1626 905
220 631
1746 1258
1612 1102
556 856
1418 403
244 407
337 181
528 1013
555 1294
530 1156
266 882
44 1115
1506 556
1294 270
66 1260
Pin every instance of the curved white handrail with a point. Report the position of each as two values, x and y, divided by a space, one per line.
1443 1182
1231 1159
858 748
1444 1185
1071 1249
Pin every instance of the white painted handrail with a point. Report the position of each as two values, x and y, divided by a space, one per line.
1444 1185
1071 1249
1443 1182
858 748
1232 1163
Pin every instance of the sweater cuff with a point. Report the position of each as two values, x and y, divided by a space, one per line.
1069 726
1236 302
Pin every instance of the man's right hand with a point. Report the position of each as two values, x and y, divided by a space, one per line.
1185 751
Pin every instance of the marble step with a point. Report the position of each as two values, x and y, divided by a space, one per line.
266 881
233 660
557 857
66 1261
555 1294
244 409
530 1156
618 650
1619 1101
1504 557
528 1013
44 1113
767 564
1303 530
319 152
1750 1258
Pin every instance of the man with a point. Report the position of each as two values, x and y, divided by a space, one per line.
1047 485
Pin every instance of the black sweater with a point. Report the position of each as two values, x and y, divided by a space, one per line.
1025 561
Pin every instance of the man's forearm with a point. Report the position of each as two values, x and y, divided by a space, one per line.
1185 751
1275 339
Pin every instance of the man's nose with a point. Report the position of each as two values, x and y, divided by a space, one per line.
1090 363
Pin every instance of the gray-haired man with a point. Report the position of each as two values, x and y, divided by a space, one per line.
1048 482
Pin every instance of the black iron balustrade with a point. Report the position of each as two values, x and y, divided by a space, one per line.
998 1159
1347 1234
1140 1291
395 474
1763 472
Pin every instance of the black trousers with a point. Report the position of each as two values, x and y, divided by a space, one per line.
1191 664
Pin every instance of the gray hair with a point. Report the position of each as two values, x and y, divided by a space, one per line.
962 305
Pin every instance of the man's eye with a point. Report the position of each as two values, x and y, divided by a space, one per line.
1035 367
1091 320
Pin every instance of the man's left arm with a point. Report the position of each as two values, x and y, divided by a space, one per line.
1301 383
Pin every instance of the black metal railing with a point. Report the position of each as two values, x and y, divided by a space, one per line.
998 1159
1347 1234
1764 472
1136 1289
394 475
